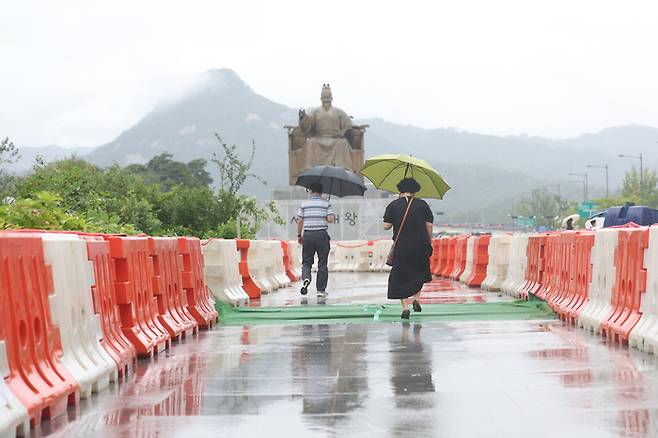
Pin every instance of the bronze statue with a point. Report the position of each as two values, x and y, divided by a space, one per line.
325 136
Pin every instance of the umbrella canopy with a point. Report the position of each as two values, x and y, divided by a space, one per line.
336 181
574 218
386 171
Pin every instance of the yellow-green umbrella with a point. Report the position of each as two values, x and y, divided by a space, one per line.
386 171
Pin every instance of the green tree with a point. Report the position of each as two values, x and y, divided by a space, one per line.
197 169
8 155
44 211
233 173
88 190
189 210
166 172
162 197
647 194
546 208
630 192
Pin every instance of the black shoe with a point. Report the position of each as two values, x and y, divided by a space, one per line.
416 306
304 289
405 314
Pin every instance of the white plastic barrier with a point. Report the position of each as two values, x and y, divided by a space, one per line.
342 257
645 334
13 416
278 265
470 248
222 271
380 252
362 258
598 305
354 254
518 261
270 267
295 257
258 259
499 248
72 310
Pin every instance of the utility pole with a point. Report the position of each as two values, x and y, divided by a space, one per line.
585 184
605 166
637 157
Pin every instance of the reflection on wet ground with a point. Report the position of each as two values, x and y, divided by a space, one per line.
457 379
370 288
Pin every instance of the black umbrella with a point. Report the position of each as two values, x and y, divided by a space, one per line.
336 181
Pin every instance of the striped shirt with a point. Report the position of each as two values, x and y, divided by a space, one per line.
314 211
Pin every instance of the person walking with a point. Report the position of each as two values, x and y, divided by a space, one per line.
411 219
312 218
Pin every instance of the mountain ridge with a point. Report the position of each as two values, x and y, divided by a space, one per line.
507 166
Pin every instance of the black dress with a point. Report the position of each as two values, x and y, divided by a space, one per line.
411 266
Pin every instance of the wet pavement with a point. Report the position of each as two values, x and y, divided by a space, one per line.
457 379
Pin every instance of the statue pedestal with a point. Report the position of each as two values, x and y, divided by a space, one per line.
358 217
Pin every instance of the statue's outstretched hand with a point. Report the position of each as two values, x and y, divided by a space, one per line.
302 113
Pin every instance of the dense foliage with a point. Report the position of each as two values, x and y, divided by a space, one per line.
633 192
547 209
161 197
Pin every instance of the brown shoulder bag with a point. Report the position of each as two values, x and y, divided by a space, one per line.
391 254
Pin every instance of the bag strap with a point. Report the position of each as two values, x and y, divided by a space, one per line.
404 220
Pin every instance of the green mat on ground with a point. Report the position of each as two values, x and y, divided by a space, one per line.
355 313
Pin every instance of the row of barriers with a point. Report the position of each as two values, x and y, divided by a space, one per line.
76 310
358 256
604 281
238 271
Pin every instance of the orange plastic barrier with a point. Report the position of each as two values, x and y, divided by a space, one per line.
573 272
569 271
287 261
199 303
434 259
105 305
439 254
570 309
630 284
480 261
535 270
248 284
458 267
168 288
553 265
35 375
134 289
448 262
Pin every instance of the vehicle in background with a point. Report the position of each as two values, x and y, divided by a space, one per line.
615 216
596 221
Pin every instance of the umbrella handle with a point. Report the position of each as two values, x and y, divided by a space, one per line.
331 187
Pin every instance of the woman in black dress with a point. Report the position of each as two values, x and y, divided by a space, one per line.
411 264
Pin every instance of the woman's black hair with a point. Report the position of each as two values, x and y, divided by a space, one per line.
316 187
408 185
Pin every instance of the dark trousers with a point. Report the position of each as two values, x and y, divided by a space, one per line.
316 242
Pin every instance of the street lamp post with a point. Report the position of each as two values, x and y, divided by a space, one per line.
605 166
557 185
585 184
637 157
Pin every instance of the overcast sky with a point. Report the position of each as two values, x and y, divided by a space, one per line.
77 73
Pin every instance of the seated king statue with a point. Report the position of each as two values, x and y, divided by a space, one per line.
325 137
